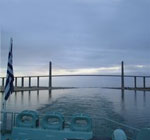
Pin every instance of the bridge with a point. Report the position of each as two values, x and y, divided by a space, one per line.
50 76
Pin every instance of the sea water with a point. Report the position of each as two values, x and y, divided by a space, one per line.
130 107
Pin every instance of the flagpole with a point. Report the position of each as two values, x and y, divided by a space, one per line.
8 89
3 114
4 101
1 121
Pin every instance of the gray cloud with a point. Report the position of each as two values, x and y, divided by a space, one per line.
77 33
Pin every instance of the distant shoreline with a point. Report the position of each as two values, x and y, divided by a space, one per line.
33 88
129 88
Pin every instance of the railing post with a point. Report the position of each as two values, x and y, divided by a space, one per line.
38 81
50 74
15 81
122 75
22 81
144 84
135 82
29 81
3 79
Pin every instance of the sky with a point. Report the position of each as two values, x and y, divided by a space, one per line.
78 36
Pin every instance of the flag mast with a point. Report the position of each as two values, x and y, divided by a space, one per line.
8 89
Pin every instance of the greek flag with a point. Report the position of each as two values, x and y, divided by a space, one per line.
10 76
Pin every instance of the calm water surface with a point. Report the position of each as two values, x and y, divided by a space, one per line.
132 108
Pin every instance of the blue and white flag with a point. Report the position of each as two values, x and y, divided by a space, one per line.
10 76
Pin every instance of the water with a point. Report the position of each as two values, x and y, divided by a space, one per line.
130 108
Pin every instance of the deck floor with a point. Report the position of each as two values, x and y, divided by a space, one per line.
7 137
102 139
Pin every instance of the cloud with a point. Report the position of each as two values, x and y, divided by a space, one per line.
100 70
76 34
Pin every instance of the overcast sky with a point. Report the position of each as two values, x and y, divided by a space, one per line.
78 36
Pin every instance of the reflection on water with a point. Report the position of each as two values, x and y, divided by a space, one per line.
122 95
126 106
50 93
131 107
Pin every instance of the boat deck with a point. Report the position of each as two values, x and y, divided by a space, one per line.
100 129
7 137
101 139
